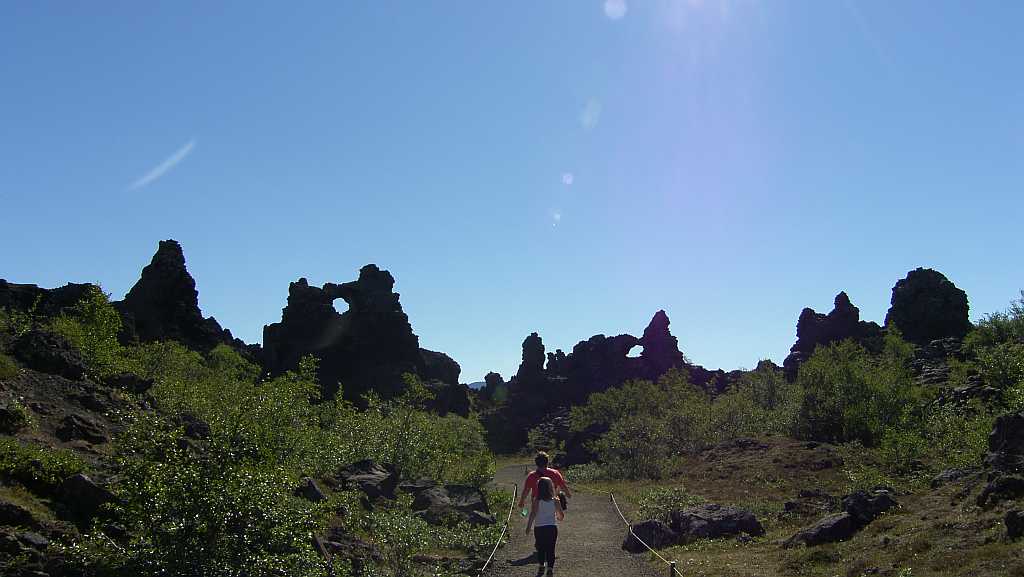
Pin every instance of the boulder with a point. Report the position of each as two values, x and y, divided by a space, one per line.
83 496
1014 521
164 305
1001 488
33 540
49 353
865 507
374 480
926 306
949 476
309 490
859 509
1006 443
194 427
811 503
75 427
438 504
360 554
15 515
654 533
711 521
831 529
129 382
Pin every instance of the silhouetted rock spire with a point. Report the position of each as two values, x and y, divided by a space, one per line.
164 304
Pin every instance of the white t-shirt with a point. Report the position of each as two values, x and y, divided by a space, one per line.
545 513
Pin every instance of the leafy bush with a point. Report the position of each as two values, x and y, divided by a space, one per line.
850 395
35 466
660 502
15 418
92 326
637 447
957 435
1001 366
8 368
419 443
647 427
14 323
585 473
998 328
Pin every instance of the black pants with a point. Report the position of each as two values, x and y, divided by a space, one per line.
545 538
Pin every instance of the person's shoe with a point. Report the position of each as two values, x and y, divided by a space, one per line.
551 571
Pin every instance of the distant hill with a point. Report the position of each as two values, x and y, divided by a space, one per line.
477 385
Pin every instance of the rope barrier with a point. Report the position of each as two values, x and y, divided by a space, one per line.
508 519
672 571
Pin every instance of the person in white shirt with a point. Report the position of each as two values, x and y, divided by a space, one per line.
545 513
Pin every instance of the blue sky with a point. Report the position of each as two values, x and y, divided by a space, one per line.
561 167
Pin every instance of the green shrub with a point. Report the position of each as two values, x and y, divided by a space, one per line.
15 418
649 426
92 326
637 447
8 368
850 395
585 473
36 466
1001 366
998 328
957 435
14 323
660 502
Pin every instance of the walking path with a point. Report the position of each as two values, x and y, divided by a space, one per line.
589 540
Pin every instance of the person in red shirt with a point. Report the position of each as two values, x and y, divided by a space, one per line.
530 485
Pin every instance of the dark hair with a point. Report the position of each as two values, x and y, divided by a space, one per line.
545 489
541 459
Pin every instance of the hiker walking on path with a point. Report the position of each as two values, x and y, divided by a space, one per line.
545 513
530 485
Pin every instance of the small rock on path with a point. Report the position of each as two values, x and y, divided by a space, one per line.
589 540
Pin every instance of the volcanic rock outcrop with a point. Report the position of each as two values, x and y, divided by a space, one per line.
368 347
813 329
43 302
927 306
164 305
594 365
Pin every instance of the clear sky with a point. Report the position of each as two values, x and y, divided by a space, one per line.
561 167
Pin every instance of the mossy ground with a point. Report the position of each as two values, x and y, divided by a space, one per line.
934 532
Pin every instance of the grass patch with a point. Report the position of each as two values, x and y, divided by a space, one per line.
23 497
8 368
37 467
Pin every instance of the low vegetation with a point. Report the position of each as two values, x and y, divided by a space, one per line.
207 465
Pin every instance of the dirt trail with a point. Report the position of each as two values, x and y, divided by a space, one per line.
589 540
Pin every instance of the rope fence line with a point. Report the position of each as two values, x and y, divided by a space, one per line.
504 529
672 571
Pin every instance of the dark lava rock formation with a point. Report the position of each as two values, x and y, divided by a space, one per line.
813 329
926 306
164 305
368 347
40 301
594 365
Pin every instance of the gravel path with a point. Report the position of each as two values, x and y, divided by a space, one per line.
589 540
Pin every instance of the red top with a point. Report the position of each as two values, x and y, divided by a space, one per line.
533 478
